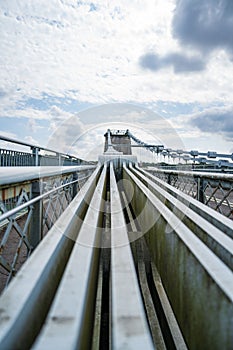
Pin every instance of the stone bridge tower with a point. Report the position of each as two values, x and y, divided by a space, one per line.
120 141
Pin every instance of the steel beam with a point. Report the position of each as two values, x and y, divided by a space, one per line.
70 321
215 239
12 175
129 326
152 273
218 220
26 301
199 285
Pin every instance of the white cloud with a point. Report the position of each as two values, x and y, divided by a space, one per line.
10 135
12 146
180 62
206 130
206 25
65 131
63 48
31 140
90 52
80 135
33 126
216 121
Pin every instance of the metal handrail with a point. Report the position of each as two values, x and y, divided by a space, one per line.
18 174
141 281
10 157
33 146
36 199
212 175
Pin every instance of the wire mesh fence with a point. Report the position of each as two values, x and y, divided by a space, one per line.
27 212
214 190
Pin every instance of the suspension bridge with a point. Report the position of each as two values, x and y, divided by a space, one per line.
113 255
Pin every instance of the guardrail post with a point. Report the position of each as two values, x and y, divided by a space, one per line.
75 185
35 153
35 231
169 179
59 159
200 189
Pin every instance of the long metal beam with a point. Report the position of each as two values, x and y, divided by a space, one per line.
217 219
33 146
132 263
12 175
187 267
220 243
202 174
130 329
26 301
70 321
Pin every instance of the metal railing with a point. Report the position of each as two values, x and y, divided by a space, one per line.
192 248
134 264
34 155
16 158
212 189
29 206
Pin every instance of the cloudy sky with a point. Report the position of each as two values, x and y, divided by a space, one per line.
162 68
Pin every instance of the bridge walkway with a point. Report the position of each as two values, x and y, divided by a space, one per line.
131 263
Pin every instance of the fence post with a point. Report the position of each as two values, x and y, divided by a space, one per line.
200 189
75 185
59 159
35 230
35 153
169 179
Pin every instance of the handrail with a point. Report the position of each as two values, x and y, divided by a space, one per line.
124 307
31 145
211 189
47 265
212 175
13 157
36 199
78 299
129 262
11 175
203 210
217 240
40 201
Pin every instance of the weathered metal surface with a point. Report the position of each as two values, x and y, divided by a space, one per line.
212 189
32 156
199 285
129 330
70 321
29 209
173 326
25 303
131 263
16 175
204 211
216 240
116 159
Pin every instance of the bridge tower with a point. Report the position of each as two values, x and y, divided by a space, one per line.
120 140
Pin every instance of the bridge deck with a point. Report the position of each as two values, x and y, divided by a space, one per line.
130 263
